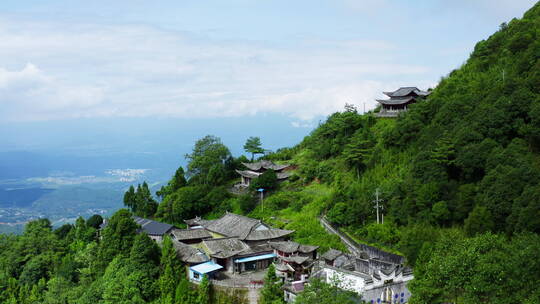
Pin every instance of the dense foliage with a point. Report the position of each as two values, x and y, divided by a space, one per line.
271 292
463 162
468 155
45 266
484 269
140 201
320 292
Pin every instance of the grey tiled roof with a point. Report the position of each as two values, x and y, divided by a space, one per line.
332 254
190 234
265 164
307 248
405 91
288 246
291 247
272 233
258 249
192 222
152 227
232 225
248 174
252 174
295 259
242 227
189 254
225 247
197 221
396 101
284 267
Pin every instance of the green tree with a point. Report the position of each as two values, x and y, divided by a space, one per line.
253 145
184 294
203 291
207 153
129 197
58 290
117 237
479 221
440 213
526 210
318 291
144 251
63 230
412 239
478 270
247 203
271 292
95 221
268 181
38 267
121 283
171 270
358 151
140 201
178 181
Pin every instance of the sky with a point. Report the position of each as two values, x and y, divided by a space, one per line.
65 60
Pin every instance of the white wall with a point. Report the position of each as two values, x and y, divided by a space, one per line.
345 280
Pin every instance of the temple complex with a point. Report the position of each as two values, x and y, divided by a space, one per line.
237 243
399 101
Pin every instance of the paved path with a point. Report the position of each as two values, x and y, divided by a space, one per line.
351 245
250 281
357 249
253 295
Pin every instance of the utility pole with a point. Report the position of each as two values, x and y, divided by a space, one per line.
364 108
377 201
261 190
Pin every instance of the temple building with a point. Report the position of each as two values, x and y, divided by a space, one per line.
376 275
255 169
399 101
237 243
295 260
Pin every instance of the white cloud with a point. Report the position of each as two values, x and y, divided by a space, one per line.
54 71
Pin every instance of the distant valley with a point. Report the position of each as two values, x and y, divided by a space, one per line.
36 185
63 170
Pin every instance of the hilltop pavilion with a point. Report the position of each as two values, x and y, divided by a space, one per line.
255 169
399 101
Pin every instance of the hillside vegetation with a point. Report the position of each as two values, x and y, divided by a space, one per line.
458 176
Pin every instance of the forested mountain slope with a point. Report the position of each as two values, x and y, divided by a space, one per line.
458 174
472 145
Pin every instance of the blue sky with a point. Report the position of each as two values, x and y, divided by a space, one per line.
211 59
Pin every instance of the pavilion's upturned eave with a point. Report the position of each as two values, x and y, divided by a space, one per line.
394 101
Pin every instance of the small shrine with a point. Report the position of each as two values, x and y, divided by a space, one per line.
258 168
